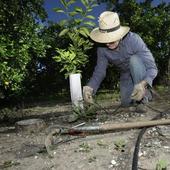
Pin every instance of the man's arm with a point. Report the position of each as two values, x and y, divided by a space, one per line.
99 71
139 47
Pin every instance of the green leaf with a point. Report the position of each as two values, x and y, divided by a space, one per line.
71 2
84 2
64 3
94 5
84 31
89 10
78 9
63 22
89 23
73 13
90 17
72 56
58 10
78 21
63 32
57 58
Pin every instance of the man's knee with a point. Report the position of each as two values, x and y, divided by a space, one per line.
135 61
137 69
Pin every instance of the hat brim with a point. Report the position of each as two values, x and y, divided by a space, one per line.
108 37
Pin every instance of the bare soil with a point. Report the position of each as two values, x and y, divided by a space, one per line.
114 150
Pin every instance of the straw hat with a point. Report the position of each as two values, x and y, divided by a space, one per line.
109 29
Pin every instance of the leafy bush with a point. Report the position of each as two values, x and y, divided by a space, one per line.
76 27
20 41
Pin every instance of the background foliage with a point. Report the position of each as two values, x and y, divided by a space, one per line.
19 42
29 43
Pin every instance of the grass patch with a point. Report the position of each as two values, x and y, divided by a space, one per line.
107 94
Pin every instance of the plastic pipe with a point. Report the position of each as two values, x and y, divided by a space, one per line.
76 89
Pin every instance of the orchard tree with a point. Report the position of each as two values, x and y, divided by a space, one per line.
19 41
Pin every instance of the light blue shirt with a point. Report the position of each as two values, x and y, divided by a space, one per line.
130 45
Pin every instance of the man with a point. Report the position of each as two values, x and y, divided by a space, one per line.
128 52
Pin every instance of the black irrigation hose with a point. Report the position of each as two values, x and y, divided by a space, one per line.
141 133
102 108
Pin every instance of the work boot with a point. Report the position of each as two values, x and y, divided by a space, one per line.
138 107
141 108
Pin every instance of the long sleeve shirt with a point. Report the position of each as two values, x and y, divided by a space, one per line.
130 45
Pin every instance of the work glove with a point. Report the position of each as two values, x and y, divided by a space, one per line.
87 94
139 91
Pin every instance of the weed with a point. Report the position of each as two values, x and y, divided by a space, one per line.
92 159
84 147
161 165
101 144
120 145
88 112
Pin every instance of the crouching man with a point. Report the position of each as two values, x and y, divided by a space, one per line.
127 51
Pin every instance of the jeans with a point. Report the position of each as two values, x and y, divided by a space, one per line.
129 79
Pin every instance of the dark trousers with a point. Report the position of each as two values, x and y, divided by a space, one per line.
129 79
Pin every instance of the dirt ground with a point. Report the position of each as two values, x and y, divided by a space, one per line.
114 150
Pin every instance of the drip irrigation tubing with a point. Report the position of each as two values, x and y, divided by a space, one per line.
141 133
102 108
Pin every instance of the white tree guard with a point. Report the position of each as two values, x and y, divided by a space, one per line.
76 89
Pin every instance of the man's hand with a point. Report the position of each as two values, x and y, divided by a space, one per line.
139 91
87 94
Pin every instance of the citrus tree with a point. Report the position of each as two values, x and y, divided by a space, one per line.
76 28
19 41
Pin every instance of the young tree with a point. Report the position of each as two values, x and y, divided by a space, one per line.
76 28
